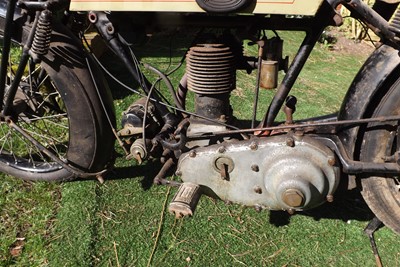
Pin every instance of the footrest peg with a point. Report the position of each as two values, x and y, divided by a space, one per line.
185 200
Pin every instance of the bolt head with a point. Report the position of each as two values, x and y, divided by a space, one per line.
258 208
192 154
221 149
291 211
253 146
293 198
290 142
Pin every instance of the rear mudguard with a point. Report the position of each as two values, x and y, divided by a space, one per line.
367 89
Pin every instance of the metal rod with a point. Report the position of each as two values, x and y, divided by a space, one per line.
8 29
291 76
352 166
257 91
297 126
323 19
21 69
371 228
374 21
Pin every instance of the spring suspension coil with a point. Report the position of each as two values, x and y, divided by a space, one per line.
396 20
41 41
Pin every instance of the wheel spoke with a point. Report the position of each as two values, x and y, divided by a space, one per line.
40 115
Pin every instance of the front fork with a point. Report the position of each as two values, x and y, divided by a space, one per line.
6 48
35 46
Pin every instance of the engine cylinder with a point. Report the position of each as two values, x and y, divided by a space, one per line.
211 69
211 72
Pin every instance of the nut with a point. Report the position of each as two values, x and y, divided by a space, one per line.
293 198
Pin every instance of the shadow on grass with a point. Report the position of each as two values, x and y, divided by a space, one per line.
347 206
147 172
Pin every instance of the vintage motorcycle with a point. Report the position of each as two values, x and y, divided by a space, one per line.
58 121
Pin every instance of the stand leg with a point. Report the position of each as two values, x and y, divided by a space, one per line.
371 228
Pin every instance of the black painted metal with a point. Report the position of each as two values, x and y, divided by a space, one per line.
291 76
6 47
107 31
21 69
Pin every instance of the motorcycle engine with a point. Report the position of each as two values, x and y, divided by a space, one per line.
285 172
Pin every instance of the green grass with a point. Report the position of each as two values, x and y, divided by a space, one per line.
27 213
124 223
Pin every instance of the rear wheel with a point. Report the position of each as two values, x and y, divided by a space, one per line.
381 141
58 105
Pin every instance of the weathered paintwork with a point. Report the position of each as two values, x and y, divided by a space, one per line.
285 7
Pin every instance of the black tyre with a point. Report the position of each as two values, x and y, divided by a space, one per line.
58 105
380 141
224 6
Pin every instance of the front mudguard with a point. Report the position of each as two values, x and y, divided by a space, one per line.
65 45
379 71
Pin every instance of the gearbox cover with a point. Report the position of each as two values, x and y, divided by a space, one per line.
277 173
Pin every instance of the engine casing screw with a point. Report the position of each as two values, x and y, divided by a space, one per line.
258 190
192 154
290 142
329 198
221 149
331 161
255 168
253 146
